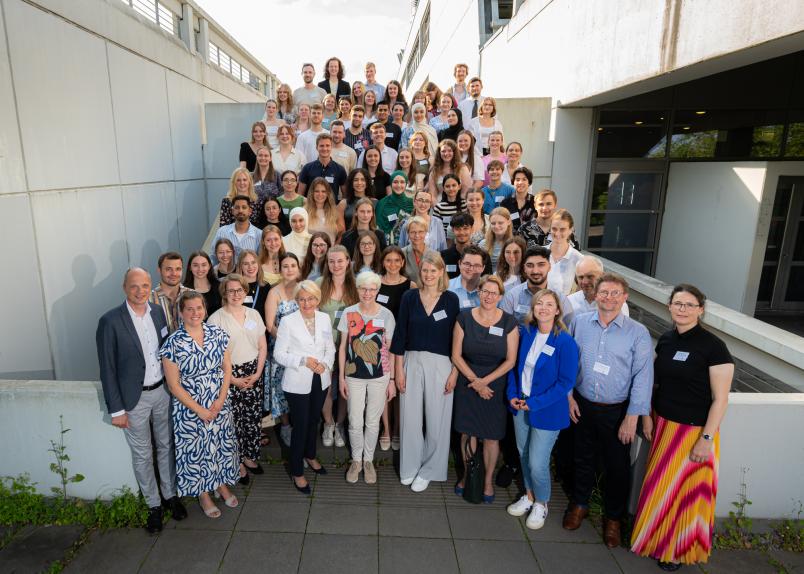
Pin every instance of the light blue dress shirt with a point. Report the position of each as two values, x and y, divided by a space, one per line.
466 299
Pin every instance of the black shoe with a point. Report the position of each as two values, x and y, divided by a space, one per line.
244 480
668 566
177 510
154 522
303 489
505 476
254 469
320 470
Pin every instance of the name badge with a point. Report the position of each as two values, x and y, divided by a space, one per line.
452 268
446 218
248 299
681 356
389 136
338 313
522 308
438 315
499 199
164 331
359 146
340 153
392 217
515 215
285 210
466 303
548 350
329 179
601 368
424 161
382 298
496 331
378 323
250 324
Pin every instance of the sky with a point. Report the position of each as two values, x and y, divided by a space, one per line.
282 34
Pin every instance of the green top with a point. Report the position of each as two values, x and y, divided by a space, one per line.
391 210
288 205
333 308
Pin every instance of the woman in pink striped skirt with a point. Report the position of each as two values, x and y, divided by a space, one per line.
693 372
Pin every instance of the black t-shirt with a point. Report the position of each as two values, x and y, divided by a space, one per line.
681 373
451 258
333 172
393 133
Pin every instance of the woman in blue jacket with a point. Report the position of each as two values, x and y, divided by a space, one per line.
547 366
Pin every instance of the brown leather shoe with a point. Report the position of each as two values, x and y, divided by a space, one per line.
611 533
574 516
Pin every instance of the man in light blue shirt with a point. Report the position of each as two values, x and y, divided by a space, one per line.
614 388
241 233
371 84
471 265
497 189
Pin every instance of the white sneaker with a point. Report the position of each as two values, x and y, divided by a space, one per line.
327 435
537 516
339 436
419 484
354 471
520 507
407 481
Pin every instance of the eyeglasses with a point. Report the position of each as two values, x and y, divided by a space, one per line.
320 245
487 293
306 300
610 293
472 266
679 306
238 291
367 289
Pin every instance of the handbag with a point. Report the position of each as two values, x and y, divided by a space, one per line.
475 474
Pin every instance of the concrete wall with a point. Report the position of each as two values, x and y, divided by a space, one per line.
724 208
101 168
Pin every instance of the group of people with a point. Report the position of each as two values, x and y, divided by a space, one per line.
391 270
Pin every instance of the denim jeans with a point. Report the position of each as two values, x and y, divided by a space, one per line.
535 446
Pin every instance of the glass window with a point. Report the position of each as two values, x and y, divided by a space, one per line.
726 134
631 134
766 283
795 284
794 144
621 230
626 191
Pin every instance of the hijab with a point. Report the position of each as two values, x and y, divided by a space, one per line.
451 132
397 206
294 242
428 130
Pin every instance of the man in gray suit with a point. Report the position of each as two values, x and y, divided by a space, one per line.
128 340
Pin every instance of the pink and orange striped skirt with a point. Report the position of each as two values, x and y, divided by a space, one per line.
676 514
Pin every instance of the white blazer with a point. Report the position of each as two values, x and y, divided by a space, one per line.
294 344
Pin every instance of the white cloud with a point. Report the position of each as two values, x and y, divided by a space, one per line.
284 33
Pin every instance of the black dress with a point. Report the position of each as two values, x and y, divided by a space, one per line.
394 296
212 298
484 349
247 155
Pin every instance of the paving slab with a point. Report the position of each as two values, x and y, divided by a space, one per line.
120 551
484 524
630 563
793 561
35 549
342 519
553 531
355 554
561 558
182 551
272 516
738 562
407 555
277 553
197 520
414 522
483 556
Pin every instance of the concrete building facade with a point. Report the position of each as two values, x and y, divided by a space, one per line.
671 129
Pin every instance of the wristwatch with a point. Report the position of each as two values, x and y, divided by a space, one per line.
707 436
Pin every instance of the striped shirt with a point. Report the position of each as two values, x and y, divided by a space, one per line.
250 240
359 141
169 308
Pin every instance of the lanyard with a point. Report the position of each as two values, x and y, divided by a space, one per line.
256 295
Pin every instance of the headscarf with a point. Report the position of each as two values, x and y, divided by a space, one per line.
294 242
451 132
425 128
399 172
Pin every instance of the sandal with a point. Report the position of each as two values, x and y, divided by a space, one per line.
212 512
385 442
231 501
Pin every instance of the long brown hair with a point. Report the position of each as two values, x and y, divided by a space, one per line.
265 257
350 296
503 269
309 258
357 258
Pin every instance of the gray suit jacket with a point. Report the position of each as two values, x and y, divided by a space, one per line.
121 358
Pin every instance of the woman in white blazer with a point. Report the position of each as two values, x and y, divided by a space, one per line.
304 346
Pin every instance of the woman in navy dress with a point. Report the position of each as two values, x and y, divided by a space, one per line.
198 372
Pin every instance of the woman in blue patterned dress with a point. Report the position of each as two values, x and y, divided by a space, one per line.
198 370
280 302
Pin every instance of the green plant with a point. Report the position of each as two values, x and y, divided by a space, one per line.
737 528
59 467
788 534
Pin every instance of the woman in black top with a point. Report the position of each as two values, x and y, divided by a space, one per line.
363 220
393 285
380 180
333 78
248 265
520 205
358 186
275 216
693 371
426 377
201 277
248 150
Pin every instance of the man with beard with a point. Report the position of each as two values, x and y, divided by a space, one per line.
472 263
309 93
241 233
166 294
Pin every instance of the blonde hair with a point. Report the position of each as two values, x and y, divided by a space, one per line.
558 324
239 268
563 215
252 195
308 286
490 238
492 279
290 131
264 130
434 259
229 278
265 257
290 97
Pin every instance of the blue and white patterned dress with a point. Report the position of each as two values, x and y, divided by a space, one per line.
275 402
206 453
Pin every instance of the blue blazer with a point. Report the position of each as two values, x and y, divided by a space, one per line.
553 378
121 358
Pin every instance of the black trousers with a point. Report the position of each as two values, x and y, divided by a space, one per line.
305 411
596 435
